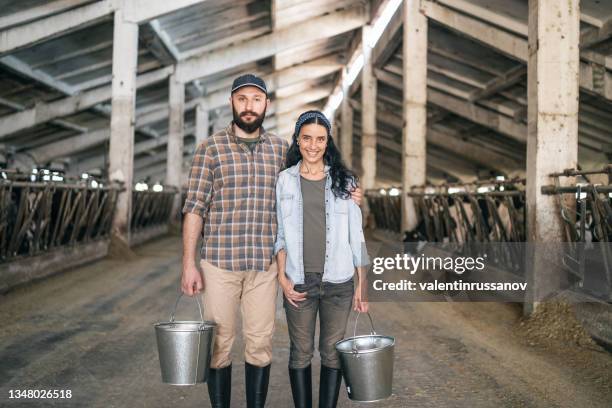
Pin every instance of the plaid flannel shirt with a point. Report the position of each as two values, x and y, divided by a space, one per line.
234 190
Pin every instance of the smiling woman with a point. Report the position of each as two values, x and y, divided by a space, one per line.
309 130
319 246
312 143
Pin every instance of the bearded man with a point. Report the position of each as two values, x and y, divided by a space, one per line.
231 198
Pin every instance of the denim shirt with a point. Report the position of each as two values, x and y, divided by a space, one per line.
345 245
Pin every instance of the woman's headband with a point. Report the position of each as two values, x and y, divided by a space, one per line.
311 115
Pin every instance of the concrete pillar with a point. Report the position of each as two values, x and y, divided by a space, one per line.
368 122
415 107
121 154
334 131
552 142
176 131
346 138
202 123
368 114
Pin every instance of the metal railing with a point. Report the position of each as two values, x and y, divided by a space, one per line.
484 211
43 210
587 212
386 210
38 216
152 208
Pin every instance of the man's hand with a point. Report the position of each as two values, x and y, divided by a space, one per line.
357 195
192 281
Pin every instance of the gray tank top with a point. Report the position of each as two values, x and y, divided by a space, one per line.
313 196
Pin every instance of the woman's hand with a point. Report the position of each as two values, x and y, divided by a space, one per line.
291 295
359 304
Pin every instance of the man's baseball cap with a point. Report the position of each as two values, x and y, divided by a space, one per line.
249 80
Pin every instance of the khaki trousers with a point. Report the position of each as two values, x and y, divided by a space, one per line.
255 293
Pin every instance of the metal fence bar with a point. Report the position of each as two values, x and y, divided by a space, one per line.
151 208
38 216
461 216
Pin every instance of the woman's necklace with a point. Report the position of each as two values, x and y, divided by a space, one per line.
310 171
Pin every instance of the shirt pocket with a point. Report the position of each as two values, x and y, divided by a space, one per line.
286 202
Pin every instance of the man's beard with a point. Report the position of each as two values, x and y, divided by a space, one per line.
248 127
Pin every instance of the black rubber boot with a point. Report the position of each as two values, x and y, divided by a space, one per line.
256 381
220 386
301 386
329 387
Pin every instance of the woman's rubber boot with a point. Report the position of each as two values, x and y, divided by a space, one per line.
329 387
301 386
220 386
256 381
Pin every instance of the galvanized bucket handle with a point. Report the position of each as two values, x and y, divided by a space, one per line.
372 332
177 302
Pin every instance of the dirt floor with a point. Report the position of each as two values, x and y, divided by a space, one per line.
90 330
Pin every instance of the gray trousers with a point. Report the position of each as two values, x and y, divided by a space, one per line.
332 301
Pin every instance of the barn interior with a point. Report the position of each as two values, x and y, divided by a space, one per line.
467 121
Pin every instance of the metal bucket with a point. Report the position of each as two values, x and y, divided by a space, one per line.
367 365
185 348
